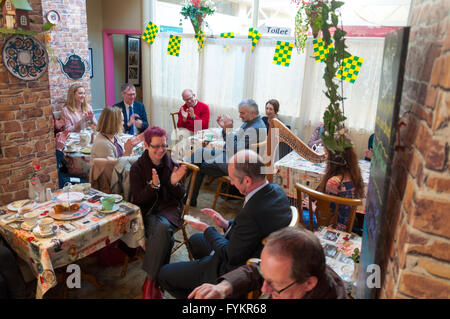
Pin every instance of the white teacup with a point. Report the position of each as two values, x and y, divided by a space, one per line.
85 138
31 218
45 225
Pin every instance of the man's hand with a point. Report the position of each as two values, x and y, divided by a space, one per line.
209 291
191 112
177 174
216 217
368 153
184 114
133 118
198 224
224 121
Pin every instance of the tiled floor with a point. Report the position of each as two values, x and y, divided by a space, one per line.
129 287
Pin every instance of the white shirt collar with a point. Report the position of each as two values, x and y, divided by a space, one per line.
253 192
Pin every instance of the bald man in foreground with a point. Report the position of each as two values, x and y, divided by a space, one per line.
266 209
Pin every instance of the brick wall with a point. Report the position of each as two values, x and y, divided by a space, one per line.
418 263
69 36
26 125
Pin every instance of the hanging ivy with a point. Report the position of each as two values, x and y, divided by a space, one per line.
333 136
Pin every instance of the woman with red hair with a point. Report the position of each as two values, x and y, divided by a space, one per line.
155 186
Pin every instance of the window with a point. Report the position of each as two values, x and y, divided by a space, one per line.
23 20
8 5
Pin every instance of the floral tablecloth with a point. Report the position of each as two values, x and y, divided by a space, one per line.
338 247
293 169
74 239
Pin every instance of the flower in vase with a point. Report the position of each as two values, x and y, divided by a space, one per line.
33 176
196 11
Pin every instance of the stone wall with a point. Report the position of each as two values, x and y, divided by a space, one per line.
418 264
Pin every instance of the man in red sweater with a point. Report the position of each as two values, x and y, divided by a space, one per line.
193 110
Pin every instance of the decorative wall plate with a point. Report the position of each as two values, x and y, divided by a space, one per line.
25 57
53 17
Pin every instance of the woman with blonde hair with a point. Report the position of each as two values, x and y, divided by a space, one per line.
77 112
107 147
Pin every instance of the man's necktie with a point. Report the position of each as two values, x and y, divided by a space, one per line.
132 128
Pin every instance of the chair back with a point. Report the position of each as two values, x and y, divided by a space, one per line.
100 173
194 169
173 114
286 136
324 215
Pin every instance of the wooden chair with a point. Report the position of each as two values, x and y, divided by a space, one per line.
194 169
287 136
323 212
224 180
173 114
180 243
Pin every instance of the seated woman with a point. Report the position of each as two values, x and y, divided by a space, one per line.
369 150
272 108
342 178
108 146
77 112
316 136
156 189
12 284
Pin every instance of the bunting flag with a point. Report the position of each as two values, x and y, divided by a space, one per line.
283 52
200 37
227 35
174 45
150 32
320 52
349 68
255 35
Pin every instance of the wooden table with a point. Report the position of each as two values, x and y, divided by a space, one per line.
73 239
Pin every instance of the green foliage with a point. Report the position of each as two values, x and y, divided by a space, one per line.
333 118
308 14
356 255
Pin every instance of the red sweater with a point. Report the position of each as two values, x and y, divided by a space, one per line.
201 111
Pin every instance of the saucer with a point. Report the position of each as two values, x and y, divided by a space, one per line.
27 227
37 232
118 198
114 209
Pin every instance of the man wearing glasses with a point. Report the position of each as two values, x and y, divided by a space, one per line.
155 186
134 115
292 267
192 110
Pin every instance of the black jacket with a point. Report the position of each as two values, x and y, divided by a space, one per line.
267 211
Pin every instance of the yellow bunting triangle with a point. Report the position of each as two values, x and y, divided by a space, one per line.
150 32
320 52
349 68
174 45
283 52
255 35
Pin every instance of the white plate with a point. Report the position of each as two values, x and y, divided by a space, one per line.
71 196
14 206
37 232
114 209
118 198
25 226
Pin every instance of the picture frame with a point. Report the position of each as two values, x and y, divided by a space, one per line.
133 60
91 66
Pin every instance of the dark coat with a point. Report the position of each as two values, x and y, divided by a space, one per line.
139 109
267 211
167 201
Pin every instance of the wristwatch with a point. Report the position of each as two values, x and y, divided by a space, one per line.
153 185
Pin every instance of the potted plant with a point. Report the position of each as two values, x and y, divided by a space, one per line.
309 15
196 11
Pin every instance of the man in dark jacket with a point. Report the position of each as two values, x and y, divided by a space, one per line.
266 209
134 115
292 267
155 187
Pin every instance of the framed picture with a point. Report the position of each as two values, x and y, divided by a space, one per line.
133 62
91 66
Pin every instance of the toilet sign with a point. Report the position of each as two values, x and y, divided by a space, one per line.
274 30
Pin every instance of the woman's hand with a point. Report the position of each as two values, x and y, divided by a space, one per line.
61 139
177 174
216 217
155 177
129 145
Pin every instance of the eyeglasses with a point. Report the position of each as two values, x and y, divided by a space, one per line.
281 290
189 98
163 146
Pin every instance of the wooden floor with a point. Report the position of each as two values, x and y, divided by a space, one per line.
129 287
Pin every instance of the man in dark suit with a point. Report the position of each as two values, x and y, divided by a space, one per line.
215 163
134 115
266 209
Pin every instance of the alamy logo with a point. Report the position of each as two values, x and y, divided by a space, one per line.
74 279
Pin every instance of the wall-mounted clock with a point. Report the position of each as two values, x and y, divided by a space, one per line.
53 17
